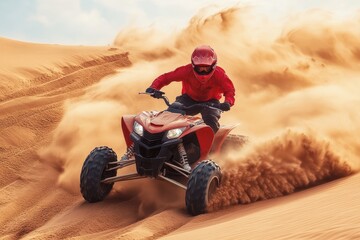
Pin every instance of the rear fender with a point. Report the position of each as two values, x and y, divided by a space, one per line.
205 136
127 123
220 137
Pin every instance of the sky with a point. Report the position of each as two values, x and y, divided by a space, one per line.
97 22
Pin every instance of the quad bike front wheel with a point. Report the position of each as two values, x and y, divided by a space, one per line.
203 181
94 171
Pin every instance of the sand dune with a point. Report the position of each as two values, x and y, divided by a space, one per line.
297 100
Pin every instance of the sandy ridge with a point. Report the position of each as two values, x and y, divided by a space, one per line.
26 117
45 83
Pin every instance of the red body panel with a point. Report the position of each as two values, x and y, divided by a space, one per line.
127 123
155 122
220 137
205 136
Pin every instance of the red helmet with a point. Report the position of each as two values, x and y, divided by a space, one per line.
204 61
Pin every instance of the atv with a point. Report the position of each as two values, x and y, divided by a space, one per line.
159 143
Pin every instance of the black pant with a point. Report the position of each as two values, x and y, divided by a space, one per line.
210 116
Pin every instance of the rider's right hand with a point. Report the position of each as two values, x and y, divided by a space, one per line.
154 92
225 106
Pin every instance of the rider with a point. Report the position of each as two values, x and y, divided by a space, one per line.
202 82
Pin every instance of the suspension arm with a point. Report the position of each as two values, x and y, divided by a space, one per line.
131 176
119 164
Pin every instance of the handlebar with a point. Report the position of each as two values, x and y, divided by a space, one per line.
166 100
182 107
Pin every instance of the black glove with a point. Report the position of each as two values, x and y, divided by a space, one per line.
154 92
225 106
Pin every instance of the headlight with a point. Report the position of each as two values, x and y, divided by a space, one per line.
174 133
138 129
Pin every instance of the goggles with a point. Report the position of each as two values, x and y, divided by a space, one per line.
203 70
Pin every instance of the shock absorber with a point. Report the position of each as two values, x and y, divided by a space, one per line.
129 153
183 157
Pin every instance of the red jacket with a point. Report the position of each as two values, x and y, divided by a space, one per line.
219 84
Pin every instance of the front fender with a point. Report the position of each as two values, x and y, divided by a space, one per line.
127 123
205 136
220 137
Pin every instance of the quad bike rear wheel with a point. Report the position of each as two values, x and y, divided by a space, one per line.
94 171
203 181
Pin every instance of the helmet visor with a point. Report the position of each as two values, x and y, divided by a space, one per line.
203 70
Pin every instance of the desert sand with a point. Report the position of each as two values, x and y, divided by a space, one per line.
297 100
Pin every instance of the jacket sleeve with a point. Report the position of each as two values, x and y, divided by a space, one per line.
165 79
228 89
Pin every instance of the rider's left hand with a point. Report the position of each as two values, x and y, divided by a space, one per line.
154 92
150 90
225 106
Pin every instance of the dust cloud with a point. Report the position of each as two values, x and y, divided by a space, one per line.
296 99
290 162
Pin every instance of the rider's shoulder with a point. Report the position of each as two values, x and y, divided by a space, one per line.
219 71
184 68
